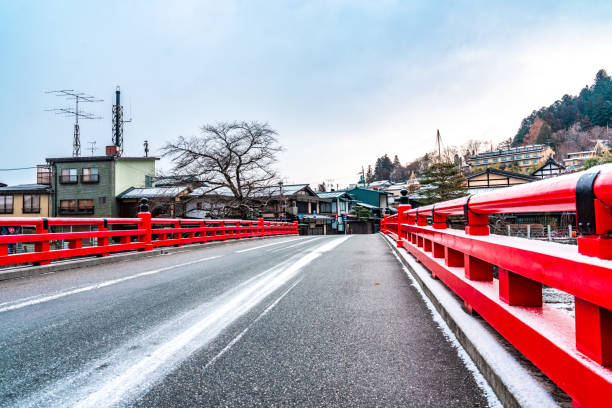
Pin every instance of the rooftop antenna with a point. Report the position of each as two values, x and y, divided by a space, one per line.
72 95
118 122
92 147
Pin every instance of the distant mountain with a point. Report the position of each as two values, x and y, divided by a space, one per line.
573 122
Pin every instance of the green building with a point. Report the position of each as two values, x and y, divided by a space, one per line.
88 186
372 199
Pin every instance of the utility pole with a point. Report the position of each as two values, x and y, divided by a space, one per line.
439 145
77 97
146 148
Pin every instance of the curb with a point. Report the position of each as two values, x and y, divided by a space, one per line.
511 391
29 271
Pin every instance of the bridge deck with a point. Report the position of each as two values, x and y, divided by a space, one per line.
320 321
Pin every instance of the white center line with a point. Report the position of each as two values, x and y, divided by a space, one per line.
24 303
242 333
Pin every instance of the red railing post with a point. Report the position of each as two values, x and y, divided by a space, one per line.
594 331
296 229
178 235
204 233
439 220
517 290
103 241
222 229
145 224
421 219
42 228
475 224
594 223
401 220
262 227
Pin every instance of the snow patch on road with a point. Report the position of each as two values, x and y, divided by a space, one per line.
267 245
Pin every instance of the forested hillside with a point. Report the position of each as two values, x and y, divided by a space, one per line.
566 120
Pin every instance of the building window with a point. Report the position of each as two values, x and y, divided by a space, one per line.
68 206
525 161
6 204
68 176
31 203
102 200
43 175
495 160
86 206
534 161
486 161
90 175
325 208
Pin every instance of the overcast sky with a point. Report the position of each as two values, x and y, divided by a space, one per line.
343 82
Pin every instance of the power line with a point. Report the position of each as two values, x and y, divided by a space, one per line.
19 168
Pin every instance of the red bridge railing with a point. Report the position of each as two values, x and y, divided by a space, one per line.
123 234
574 352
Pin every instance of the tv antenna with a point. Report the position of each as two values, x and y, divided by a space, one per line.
92 147
118 122
72 95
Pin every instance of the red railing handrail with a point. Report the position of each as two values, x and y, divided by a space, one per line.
575 352
145 234
556 194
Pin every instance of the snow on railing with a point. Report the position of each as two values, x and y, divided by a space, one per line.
131 234
574 352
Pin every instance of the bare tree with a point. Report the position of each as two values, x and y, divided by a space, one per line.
233 159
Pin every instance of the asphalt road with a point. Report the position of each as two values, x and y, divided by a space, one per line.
307 321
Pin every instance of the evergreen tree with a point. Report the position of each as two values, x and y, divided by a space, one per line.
383 168
362 213
441 182
369 175
396 163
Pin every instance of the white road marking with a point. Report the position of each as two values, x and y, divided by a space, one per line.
264 246
18 304
242 333
305 241
135 367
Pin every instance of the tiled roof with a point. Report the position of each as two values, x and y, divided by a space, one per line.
25 188
153 192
